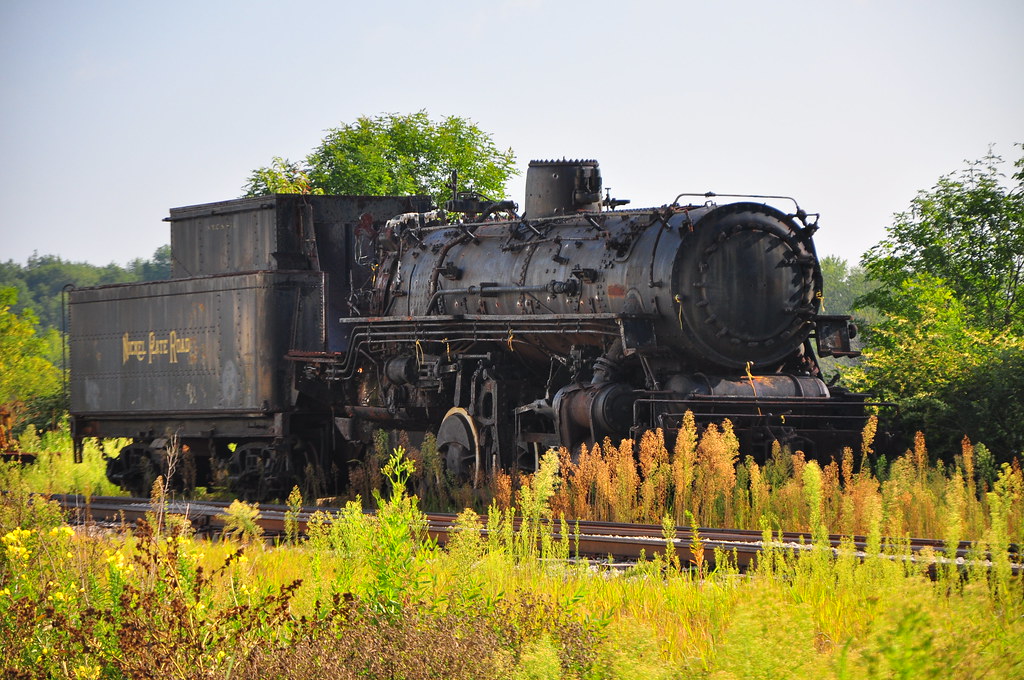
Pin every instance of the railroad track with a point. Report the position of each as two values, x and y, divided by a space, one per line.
616 541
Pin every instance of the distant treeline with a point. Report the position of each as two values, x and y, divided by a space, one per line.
39 282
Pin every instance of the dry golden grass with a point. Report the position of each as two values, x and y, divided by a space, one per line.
705 477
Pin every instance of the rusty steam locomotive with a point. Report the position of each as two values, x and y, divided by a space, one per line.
294 326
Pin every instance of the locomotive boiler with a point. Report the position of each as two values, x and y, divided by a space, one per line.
502 335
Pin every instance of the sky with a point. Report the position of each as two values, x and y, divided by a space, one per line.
113 112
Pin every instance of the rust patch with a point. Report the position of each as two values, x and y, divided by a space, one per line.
616 291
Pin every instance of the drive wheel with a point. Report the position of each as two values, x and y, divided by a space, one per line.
459 445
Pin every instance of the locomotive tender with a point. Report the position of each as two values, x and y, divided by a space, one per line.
295 325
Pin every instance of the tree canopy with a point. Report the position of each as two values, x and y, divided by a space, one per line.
280 177
948 343
949 376
27 377
844 287
393 154
968 231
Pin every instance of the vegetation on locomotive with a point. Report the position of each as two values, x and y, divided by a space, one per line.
296 325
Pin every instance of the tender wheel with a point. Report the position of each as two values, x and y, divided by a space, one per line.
245 470
309 470
257 471
133 470
459 445
139 464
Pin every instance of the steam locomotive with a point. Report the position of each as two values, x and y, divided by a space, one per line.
295 326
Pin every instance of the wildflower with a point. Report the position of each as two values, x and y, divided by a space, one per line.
5 592
84 672
17 552
16 537
14 540
117 562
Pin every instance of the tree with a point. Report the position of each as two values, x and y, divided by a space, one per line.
281 177
27 378
968 230
843 287
948 346
394 154
155 269
949 376
39 282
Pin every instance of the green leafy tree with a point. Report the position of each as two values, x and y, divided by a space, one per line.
968 230
394 154
941 368
28 381
844 286
948 346
282 176
155 269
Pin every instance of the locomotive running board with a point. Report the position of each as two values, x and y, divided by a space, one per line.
635 330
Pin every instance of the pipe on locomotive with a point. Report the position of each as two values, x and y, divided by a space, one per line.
570 287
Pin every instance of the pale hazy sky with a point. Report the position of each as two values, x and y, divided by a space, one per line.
115 111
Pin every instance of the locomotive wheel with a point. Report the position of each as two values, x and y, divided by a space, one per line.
259 472
182 479
459 444
133 470
309 469
245 471
528 457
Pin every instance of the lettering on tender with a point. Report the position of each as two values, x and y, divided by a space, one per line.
155 345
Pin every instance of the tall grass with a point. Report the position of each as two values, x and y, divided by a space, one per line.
54 470
702 473
703 476
370 596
